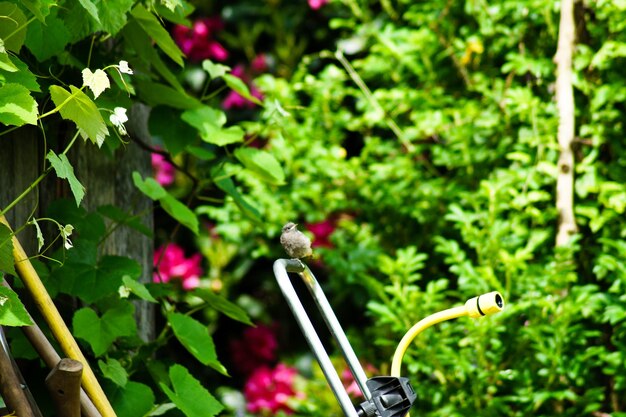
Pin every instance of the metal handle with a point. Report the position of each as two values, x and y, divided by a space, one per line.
281 269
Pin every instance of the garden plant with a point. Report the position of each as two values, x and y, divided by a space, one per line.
432 150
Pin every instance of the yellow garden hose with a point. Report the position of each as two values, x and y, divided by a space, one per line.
59 329
482 305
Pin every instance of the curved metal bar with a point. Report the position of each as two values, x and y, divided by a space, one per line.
281 269
336 330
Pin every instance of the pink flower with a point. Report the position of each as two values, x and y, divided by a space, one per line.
269 390
170 263
164 172
257 347
321 232
198 42
259 63
317 4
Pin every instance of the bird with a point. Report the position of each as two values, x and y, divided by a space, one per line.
296 244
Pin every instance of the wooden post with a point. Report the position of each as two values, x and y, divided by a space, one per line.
63 384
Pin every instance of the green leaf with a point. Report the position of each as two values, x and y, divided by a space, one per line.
195 337
214 70
180 212
48 39
151 25
159 94
228 186
6 64
17 107
166 125
82 276
209 122
125 218
139 41
189 395
64 170
240 87
224 306
113 14
133 400
262 163
113 370
170 204
201 153
138 289
161 409
12 311
90 8
13 26
149 186
80 109
40 8
22 75
101 332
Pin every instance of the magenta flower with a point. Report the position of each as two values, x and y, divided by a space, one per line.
259 63
170 263
256 348
164 172
321 232
198 42
317 4
269 390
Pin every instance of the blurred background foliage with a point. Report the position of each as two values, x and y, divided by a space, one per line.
415 142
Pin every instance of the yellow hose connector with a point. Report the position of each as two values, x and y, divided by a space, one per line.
482 305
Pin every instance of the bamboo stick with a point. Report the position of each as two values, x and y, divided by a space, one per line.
59 329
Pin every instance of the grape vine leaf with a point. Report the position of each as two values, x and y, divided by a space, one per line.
13 27
113 370
22 75
91 8
40 8
12 311
134 399
5 62
97 81
17 107
195 337
48 39
80 109
214 70
189 395
101 332
64 170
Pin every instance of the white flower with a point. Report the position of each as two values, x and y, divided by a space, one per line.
66 232
123 67
118 118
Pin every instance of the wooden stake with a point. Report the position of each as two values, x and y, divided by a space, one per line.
63 384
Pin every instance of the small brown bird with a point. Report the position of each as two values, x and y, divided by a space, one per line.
296 244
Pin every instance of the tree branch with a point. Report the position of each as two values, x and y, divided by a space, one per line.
565 105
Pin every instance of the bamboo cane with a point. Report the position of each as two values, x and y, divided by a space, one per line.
59 329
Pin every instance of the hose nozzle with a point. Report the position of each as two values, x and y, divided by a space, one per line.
485 304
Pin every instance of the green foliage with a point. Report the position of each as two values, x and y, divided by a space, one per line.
423 132
12 312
